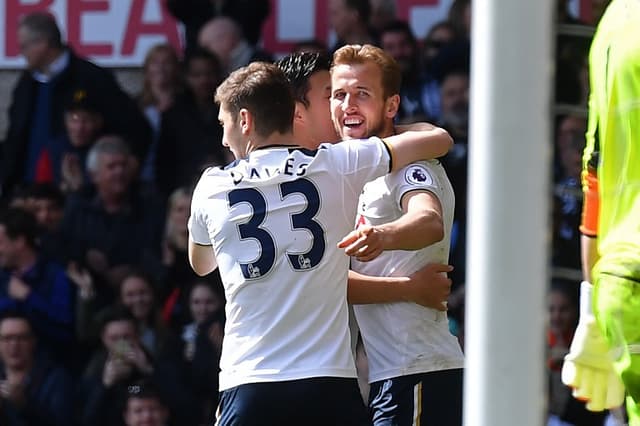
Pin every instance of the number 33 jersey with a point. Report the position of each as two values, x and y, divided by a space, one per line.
274 220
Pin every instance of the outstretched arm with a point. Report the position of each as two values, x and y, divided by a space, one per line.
420 226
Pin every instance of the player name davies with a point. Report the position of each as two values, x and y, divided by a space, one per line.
291 168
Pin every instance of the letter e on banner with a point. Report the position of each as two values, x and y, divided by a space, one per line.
136 27
75 10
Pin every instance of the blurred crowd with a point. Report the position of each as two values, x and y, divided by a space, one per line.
102 321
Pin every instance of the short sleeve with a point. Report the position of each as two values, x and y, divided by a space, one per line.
414 177
197 224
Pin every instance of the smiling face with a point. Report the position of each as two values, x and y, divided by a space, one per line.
358 106
136 294
203 301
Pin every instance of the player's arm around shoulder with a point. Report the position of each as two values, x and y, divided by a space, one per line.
419 141
429 287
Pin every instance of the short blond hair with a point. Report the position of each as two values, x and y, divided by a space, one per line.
362 54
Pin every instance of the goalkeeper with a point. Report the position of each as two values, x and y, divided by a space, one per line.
605 352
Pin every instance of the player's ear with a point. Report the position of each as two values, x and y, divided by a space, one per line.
298 115
391 106
246 121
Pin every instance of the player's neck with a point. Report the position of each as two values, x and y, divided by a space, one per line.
302 136
274 139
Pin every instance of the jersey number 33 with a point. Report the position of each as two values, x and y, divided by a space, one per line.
253 228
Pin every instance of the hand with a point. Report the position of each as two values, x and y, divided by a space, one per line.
18 289
364 243
430 286
138 358
115 370
82 279
72 174
588 368
14 392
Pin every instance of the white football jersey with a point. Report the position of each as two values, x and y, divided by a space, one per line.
406 338
274 220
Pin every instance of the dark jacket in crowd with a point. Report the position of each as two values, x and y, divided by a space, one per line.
121 114
49 306
49 398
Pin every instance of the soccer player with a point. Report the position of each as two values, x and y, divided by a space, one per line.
271 222
605 346
404 221
308 74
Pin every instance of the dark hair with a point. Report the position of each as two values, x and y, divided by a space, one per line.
399 26
43 25
20 223
363 7
299 67
263 89
46 191
114 313
312 44
143 389
17 315
201 53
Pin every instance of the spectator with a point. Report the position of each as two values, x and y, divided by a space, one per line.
350 21
196 353
46 201
176 239
567 192
162 83
120 361
33 285
33 145
204 302
194 14
460 17
222 36
419 97
454 107
383 13
138 295
564 410
190 135
144 406
179 274
439 36
112 225
84 124
33 390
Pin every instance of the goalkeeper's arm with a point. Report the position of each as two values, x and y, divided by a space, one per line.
589 223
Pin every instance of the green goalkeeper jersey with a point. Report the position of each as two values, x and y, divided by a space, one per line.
614 128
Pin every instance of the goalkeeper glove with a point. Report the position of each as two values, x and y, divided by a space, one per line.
588 368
